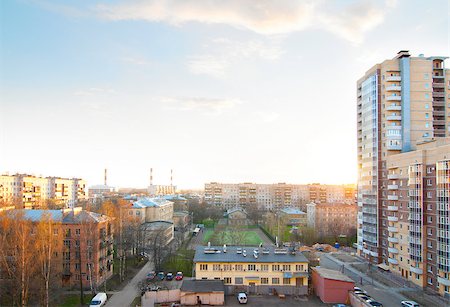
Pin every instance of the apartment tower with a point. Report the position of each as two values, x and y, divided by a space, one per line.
402 104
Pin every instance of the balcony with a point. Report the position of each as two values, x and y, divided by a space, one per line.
438 122
392 261
393 78
392 239
392 229
394 117
392 219
438 113
438 85
392 208
393 147
443 281
392 187
393 176
392 197
393 88
394 107
392 250
416 270
437 103
439 94
395 98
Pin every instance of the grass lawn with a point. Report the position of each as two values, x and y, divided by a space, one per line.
181 261
72 300
230 238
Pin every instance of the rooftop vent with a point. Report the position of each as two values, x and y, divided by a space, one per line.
265 251
280 251
239 250
209 250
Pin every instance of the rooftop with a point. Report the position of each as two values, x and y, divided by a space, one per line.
292 211
150 202
156 225
174 197
202 286
265 254
331 274
66 216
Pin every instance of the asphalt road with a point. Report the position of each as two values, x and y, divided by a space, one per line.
126 296
388 296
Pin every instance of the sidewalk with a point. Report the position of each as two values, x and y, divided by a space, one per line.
126 296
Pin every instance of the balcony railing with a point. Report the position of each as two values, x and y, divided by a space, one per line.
394 78
393 261
393 98
392 239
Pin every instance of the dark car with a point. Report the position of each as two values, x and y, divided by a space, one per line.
161 275
374 303
169 276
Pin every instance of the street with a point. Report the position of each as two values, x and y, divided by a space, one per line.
126 296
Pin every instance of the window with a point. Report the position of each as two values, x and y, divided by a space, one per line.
264 267
429 195
286 267
264 281
252 267
238 267
227 267
429 256
203 267
275 281
430 219
427 115
429 207
427 106
430 281
275 267
299 267
286 281
426 76
427 96
430 231
216 267
427 85
77 231
227 280
238 280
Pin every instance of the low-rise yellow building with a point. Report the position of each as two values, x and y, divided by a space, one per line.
254 270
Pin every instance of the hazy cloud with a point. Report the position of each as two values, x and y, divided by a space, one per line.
268 116
95 91
349 21
203 104
220 53
136 61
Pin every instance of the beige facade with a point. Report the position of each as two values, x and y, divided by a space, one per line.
400 103
29 191
275 196
418 231
242 270
151 209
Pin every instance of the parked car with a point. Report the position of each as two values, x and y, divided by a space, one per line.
340 305
161 275
358 289
360 292
242 298
169 276
374 303
364 297
154 288
151 276
179 276
98 300
409 304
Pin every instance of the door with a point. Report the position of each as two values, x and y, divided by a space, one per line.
252 288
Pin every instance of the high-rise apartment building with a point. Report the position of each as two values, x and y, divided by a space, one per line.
401 104
275 196
29 191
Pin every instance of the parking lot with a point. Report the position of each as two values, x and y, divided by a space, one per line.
266 300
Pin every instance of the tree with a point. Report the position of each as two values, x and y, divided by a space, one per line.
49 248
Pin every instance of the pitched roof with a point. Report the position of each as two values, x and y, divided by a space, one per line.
216 254
65 216
202 286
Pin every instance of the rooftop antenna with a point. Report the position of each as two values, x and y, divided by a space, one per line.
151 176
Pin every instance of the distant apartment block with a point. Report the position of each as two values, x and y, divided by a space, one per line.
275 196
160 190
332 219
403 118
30 191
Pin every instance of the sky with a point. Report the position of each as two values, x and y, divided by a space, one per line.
229 91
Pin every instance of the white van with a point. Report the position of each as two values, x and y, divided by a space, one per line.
99 300
242 298
409 304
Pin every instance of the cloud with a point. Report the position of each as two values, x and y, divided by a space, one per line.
95 91
266 17
207 105
221 53
268 116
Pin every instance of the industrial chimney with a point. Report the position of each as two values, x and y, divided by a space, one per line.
106 172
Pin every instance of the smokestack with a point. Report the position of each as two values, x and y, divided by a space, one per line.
151 176
106 172
171 177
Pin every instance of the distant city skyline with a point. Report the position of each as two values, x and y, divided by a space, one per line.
228 92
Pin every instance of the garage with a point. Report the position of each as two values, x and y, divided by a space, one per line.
206 292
